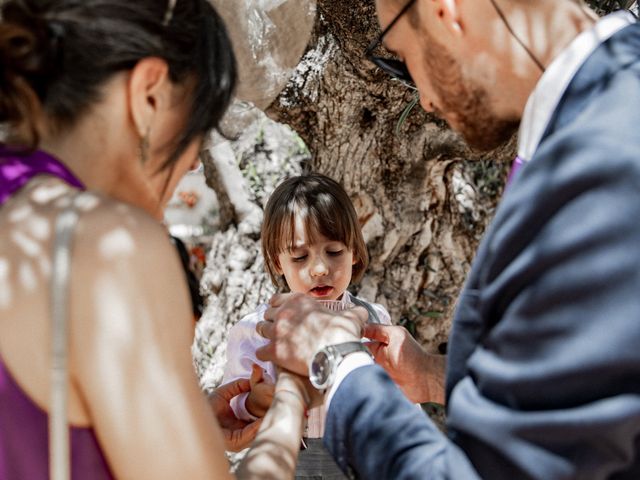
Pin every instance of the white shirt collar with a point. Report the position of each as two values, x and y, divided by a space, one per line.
557 77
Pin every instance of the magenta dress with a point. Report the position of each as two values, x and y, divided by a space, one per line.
24 440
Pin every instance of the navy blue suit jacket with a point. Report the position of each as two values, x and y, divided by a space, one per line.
543 376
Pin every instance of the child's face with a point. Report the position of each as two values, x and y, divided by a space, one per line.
322 270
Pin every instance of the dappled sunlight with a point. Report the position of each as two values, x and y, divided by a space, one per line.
87 201
6 288
26 244
45 193
20 213
130 338
37 227
116 243
44 265
27 276
113 311
534 35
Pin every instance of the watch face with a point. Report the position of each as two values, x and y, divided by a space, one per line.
320 369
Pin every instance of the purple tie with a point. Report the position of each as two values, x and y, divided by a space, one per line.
517 164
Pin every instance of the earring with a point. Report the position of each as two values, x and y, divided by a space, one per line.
143 148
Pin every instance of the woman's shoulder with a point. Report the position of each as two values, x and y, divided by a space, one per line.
122 239
107 223
124 265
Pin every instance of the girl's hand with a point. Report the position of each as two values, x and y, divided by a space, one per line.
261 395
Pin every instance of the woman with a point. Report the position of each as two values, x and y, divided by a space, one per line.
107 103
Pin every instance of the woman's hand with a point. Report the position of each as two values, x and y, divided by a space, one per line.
238 434
301 386
275 449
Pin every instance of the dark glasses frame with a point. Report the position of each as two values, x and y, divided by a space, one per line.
394 67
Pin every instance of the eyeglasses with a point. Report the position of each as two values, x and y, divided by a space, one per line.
396 68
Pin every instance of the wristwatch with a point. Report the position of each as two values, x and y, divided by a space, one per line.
323 366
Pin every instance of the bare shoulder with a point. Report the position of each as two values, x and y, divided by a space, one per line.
127 280
132 330
110 231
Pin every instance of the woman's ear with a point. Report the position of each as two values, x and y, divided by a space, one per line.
149 90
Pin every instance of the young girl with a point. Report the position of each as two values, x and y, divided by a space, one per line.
312 244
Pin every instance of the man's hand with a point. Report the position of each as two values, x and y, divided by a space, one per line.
237 433
298 327
261 394
420 375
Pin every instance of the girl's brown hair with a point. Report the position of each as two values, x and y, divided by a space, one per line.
324 208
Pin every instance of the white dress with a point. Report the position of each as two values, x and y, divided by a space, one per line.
241 355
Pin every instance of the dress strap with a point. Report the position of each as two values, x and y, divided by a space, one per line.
59 445
18 168
373 315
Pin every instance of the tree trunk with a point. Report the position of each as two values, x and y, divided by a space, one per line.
423 198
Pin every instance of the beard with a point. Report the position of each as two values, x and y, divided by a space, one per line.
466 104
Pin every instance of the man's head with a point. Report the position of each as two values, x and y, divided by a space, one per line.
467 66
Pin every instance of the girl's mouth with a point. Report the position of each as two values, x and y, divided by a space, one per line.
321 291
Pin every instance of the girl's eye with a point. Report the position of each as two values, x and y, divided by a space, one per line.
299 259
336 253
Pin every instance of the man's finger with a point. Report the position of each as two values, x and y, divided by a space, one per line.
376 332
265 329
375 347
266 353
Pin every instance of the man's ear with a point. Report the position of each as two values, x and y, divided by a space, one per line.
149 90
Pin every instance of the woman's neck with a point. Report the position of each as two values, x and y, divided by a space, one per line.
110 167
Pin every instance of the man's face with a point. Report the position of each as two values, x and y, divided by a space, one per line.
444 86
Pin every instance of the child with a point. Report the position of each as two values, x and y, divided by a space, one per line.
312 244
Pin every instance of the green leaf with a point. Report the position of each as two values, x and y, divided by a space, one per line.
405 113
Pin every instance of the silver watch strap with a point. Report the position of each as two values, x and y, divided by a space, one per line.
59 445
344 349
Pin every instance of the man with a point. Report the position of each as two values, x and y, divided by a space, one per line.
543 372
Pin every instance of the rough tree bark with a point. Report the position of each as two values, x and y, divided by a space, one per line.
423 198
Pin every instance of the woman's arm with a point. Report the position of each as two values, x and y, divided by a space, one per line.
274 452
130 351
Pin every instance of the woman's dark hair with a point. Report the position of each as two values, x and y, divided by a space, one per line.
324 207
55 55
